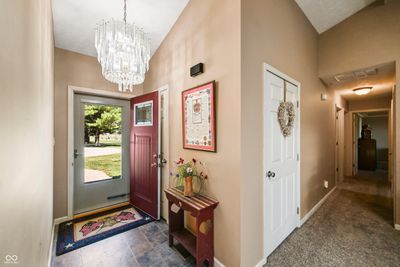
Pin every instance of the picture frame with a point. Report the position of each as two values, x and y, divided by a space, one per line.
198 118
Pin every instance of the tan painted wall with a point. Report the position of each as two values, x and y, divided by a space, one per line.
368 38
26 132
78 70
377 103
278 33
208 31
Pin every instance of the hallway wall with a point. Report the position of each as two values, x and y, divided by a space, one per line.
278 33
26 115
74 69
366 39
208 31
365 104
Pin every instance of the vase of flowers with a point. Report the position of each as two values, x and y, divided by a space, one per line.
190 176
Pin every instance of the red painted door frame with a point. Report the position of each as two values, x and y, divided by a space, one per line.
144 186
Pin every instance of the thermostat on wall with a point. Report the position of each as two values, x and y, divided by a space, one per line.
197 69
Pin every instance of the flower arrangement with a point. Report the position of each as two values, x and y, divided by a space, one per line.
191 175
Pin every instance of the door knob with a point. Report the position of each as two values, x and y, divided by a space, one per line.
270 174
164 161
154 165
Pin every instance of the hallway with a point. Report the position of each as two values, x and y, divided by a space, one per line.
368 182
350 229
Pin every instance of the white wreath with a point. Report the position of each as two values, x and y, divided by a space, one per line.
286 117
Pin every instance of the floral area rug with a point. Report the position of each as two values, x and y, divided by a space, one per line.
87 230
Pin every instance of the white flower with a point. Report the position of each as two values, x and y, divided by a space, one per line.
189 170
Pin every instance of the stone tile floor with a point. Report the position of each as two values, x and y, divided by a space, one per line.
144 246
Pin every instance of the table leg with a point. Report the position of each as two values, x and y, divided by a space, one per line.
176 222
205 238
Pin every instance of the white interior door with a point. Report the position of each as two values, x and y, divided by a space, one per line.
101 152
281 164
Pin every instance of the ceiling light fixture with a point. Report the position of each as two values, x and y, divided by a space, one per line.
123 51
362 90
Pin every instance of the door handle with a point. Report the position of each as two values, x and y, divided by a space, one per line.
270 174
164 161
154 165
76 154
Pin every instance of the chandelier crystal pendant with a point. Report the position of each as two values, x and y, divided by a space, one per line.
123 51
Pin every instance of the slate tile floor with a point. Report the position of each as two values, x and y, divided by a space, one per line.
143 246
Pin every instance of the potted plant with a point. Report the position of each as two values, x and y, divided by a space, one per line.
190 175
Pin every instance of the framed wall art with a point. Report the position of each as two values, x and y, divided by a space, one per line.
198 118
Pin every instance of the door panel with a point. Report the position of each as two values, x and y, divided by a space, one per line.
101 171
280 157
144 154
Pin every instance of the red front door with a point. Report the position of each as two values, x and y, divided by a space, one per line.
144 186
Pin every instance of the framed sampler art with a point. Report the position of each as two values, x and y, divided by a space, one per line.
198 117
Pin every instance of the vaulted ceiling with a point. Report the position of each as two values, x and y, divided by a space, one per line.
75 20
324 14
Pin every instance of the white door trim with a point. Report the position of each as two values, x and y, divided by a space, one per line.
163 90
70 127
267 67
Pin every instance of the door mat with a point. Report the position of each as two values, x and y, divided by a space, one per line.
90 229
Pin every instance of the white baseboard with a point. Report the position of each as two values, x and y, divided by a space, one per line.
61 220
397 227
50 256
261 263
217 263
316 207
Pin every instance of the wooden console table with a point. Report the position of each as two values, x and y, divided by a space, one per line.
200 246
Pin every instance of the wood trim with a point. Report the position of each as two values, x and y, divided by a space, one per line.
100 210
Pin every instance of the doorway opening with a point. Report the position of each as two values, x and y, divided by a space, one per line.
100 133
364 131
371 154
101 152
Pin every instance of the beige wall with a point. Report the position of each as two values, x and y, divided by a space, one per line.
77 70
278 33
208 31
376 103
26 115
368 38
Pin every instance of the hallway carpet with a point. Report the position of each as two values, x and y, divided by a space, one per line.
350 229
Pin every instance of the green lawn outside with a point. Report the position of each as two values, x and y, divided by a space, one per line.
110 164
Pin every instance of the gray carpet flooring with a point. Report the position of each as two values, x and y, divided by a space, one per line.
350 229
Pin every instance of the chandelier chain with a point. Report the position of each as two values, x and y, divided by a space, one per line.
125 11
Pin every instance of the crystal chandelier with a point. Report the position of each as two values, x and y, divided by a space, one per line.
123 51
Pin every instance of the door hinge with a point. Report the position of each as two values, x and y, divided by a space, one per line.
298 210
298 157
337 169
298 104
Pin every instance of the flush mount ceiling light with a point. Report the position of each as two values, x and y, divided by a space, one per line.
123 51
362 90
